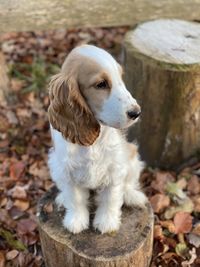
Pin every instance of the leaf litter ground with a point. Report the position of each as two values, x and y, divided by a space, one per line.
24 142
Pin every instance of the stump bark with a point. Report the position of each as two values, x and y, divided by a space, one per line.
162 66
131 246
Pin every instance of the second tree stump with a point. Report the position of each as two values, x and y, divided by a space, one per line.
162 67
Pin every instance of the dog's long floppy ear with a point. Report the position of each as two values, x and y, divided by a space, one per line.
69 113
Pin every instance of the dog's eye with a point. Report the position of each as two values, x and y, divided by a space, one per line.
102 85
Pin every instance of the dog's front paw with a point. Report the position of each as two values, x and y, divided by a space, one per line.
135 198
77 221
106 222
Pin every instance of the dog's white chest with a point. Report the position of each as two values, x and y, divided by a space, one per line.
89 167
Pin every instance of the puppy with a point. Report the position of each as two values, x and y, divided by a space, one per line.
89 108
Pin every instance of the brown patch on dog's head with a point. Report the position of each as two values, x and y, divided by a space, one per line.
69 113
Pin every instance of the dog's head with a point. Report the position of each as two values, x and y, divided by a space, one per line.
89 91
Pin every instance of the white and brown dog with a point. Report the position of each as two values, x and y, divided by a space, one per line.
89 105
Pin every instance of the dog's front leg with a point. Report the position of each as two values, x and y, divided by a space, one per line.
108 214
133 196
75 201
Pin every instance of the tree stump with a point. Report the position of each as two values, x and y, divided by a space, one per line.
162 66
131 246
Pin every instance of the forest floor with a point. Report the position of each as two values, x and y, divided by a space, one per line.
32 58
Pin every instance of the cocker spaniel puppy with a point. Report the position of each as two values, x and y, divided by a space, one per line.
89 108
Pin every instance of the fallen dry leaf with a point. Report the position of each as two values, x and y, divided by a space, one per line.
196 201
175 191
23 113
183 222
196 229
4 124
158 234
18 192
12 119
4 217
169 225
23 205
182 183
194 185
40 171
159 202
16 170
15 213
194 236
194 240
25 226
3 202
187 206
12 254
162 178
168 256
170 242
16 84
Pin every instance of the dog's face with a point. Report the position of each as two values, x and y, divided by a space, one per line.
91 81
100 81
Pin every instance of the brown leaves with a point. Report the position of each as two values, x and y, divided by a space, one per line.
173 231
168 225
161 180
16 84
196 202
196 229
26 231
23 205
158 234
12 254
16 170
183 222
39 170
19 192
159 202
194 185
194 236
26 226
24 143
53 45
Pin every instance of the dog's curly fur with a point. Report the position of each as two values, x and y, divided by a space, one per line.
89 106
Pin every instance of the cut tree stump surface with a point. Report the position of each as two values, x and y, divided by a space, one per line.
131 246
172 41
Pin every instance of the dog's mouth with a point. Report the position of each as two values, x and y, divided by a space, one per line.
102 122
118 125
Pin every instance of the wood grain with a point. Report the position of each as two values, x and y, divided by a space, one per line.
23 15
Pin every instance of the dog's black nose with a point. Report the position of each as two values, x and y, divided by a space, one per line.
134 114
